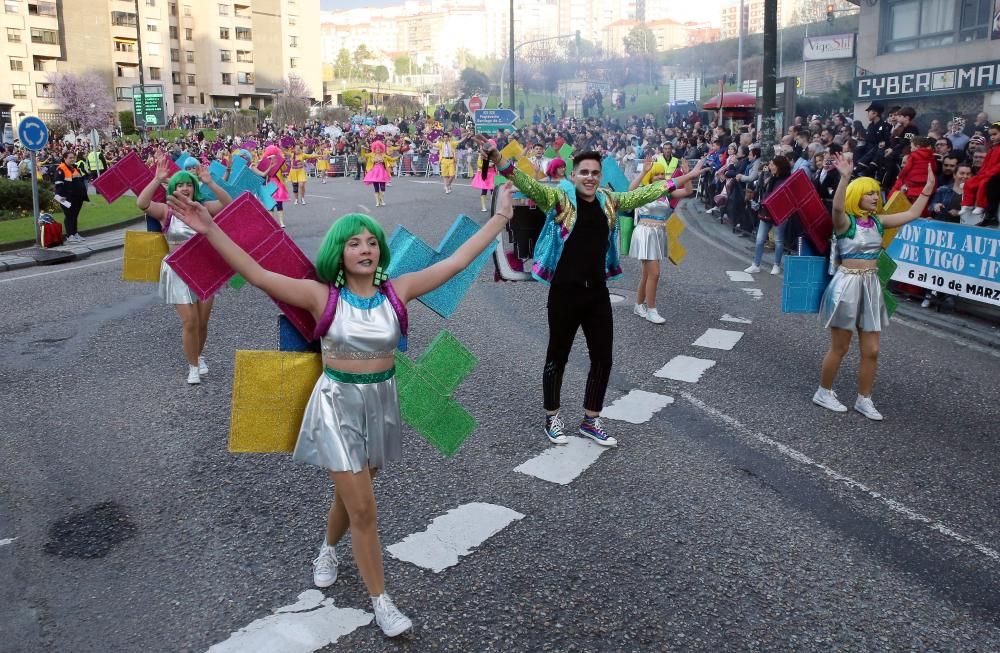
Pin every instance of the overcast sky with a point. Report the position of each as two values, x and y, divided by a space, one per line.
351 4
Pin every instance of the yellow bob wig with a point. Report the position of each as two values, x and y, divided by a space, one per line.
858 189
657 169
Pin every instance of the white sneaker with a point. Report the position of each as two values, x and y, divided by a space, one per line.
653 316
193 377
925 304
482 210
388 617
325 567
828 399
865 406
640 310
776 269
303 201
296 200
753 269
202 366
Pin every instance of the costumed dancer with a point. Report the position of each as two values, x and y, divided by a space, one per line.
351 425
323 162
853 301
297 174
193 312
974 199
378 164
649 238
447 150
577 252
556 170
273 161
484 185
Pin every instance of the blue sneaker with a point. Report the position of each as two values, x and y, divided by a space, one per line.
592 428
555 429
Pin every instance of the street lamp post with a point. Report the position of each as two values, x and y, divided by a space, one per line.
236 106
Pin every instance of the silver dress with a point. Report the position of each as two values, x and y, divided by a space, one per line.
649 238
172 288
352 420
853 299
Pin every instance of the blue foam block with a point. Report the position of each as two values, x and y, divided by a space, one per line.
612 176
410 253
289 338
805 279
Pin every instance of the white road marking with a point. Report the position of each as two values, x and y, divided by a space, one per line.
739 275
365 208
718 339
453 534
799 457
6 541
949 336
75 267
311 623
684 368
320 196
563 462
756 293
732 318
637 407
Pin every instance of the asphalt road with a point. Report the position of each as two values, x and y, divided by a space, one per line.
738 518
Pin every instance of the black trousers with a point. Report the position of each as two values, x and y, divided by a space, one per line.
571 307
71 214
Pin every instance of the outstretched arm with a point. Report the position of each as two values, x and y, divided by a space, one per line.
304 293
841 222
413 285
544 196
145 202
915 211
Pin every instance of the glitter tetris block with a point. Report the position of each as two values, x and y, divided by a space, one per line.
251 227
289 338
566 154
798 195
898 203
410 253
130 174
675 250
143 253
270 393
425 388
886 267
512 150
805 279
612 176
237 282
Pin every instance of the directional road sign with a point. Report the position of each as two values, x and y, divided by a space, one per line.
489 121
33 133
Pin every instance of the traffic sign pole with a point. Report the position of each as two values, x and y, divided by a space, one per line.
34 197
34 135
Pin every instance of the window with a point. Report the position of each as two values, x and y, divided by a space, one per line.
173 32
20 91
293 62
225 55
173 8
123 93
152 25
243 34
189 56
123 19
153 49
187 10
42 9
44 90
12 6
177 98
13 35
154 73
293 21
188 34
16 64
150 3
224 33
190 80
244 56
223 10
202 98
190 99
244 78
128 72
293 42
175 54
227 79
46 36
41 64
916 24
175 77
124 46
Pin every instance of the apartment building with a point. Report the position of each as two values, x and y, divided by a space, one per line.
668 34
753 11
206 54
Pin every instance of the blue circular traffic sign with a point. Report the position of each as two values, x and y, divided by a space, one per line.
33 133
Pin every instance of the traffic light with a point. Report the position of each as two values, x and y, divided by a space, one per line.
829 13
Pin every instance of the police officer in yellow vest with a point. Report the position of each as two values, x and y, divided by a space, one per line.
96 163
668 160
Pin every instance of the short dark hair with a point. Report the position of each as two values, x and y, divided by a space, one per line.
588 155
783 165
909 112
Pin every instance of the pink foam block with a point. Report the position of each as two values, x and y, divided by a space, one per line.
799 195
122 177
251 227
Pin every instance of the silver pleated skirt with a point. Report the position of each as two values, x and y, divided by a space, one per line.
172 288
348 426
649 243
853 301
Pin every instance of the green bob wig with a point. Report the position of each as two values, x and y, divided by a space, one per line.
184 177
331 253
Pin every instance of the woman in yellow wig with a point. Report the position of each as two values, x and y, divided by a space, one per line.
649 238
853 300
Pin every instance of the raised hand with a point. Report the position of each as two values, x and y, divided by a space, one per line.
203 174
162 168
843 166
647 164
931 182
193 214
505 200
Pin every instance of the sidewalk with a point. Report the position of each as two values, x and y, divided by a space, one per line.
979 329
32 256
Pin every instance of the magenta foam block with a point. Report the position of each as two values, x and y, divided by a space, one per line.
798 194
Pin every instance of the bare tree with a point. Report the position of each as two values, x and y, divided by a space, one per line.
84 101
292 106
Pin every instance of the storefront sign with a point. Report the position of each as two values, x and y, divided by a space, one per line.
969 78
950 258
836 46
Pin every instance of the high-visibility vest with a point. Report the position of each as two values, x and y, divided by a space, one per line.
94 160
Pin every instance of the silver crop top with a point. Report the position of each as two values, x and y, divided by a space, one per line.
860 242
656 210
177 232
363 328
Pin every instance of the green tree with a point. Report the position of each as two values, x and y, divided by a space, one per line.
401 65
380 74
640 41
473 81
361 55
342 65
127 121
585 49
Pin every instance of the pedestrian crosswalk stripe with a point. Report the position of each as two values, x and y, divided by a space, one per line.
684 368
637 407
739 276
718 339
756 293
563 463
452 535
732 318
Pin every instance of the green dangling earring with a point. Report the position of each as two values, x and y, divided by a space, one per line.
339 281
380 276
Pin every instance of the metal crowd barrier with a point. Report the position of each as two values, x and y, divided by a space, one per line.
342 165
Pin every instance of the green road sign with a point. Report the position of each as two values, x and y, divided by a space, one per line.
148 106
492 129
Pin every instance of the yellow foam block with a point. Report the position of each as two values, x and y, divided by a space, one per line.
512 150
675 251
898 203
525 166
143 253
270 392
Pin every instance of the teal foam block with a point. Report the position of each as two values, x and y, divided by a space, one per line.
612 176
805 279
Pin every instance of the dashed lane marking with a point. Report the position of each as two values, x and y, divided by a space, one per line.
799 457
718 339
739 276
6 541
684 368
307 625
755 293
637 407
564 462
453 535
732 318
70 269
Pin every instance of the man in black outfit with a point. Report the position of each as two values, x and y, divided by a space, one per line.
877 138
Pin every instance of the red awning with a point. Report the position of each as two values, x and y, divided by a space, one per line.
734 100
